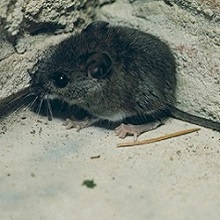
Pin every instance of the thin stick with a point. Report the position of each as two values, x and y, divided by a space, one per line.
161 138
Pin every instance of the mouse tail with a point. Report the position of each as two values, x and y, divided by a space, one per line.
184 116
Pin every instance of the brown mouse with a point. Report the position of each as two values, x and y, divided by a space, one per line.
114 73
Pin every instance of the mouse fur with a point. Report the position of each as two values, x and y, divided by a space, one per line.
113 72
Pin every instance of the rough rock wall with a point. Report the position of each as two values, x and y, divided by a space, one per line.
27 27
191 28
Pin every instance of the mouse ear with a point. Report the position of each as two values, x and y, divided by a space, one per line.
99 65
96 25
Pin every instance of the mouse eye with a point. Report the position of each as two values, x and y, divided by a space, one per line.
60 80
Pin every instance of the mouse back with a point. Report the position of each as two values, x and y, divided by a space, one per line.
113 72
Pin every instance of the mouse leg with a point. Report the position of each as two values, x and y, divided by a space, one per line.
123 130
78 124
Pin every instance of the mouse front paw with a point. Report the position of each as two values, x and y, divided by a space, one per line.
124 130
73 123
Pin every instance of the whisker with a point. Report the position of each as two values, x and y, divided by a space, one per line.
39 107
62 105
108 123
22 105
15 102
50 115
30 104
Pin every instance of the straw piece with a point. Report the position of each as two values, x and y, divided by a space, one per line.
161 138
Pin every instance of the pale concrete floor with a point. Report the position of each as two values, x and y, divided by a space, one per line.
43 166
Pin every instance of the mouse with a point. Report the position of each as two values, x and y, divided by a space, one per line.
114 73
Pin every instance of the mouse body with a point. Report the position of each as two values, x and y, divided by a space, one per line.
114 73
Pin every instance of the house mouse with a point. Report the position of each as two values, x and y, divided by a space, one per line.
114 73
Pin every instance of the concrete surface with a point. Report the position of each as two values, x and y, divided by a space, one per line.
43 167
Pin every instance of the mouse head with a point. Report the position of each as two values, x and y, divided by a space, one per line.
76 70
